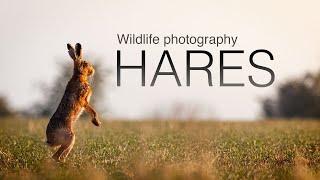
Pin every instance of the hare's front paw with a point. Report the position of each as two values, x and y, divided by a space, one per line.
95 121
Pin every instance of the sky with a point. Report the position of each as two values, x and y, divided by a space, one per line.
34 33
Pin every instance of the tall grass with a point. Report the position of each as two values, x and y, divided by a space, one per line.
165 150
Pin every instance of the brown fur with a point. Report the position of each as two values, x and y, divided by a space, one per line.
75 99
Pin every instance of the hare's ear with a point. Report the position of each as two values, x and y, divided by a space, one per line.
78 51
71 52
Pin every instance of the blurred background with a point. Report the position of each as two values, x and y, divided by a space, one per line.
35 66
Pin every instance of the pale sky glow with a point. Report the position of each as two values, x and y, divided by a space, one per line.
33 37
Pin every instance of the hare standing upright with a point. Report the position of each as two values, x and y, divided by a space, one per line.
76 98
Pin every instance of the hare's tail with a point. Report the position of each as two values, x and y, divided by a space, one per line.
49 143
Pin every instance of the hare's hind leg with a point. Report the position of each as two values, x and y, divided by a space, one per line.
67 144
67 151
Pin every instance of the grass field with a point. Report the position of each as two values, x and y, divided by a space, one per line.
165 150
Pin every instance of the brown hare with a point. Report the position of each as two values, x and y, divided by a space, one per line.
76 98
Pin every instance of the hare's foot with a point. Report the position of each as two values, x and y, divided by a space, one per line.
65 148
57 159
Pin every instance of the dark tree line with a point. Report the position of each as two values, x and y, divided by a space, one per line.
5 110
298 97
